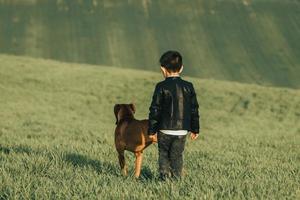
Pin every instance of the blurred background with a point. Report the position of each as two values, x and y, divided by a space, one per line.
254 41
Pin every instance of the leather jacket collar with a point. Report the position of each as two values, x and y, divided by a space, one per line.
172 77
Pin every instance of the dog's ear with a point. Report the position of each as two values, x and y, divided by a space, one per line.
132 106
116 111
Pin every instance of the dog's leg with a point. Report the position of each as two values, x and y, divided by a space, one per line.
122 162
138 163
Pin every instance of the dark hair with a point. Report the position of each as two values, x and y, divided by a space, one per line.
171 60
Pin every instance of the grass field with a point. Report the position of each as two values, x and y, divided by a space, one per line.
252 41
56 136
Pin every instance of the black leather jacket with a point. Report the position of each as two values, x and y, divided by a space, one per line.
174 106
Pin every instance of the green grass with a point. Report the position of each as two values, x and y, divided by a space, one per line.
253 41
57 136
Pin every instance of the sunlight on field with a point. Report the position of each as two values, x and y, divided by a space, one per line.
56 136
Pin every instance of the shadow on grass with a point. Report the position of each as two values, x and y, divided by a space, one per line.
79 160
83 161
16 149
146 173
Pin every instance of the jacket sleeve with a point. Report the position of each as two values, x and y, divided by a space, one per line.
155 110
195 126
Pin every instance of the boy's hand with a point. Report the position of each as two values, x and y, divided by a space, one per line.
153 137
194 136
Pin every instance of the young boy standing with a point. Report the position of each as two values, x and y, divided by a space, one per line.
173 113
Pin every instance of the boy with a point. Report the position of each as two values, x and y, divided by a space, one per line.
173 113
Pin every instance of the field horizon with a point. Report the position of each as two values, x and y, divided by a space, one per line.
57 136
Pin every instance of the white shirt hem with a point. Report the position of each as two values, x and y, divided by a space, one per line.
174 132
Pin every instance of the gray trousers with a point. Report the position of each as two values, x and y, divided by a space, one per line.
170 159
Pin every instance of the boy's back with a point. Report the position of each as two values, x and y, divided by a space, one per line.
174 106
173 113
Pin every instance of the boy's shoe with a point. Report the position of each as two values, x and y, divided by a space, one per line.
163 177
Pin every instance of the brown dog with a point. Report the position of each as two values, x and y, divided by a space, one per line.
130 135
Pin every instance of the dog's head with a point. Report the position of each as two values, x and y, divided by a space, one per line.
123 111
